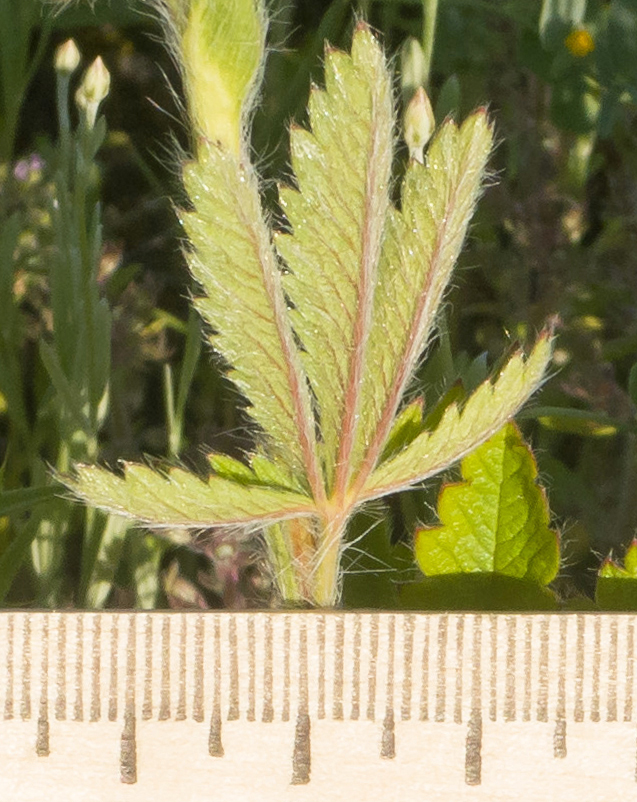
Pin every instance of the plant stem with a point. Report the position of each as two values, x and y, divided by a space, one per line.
430 15
282 564
626 505
172 424
326 568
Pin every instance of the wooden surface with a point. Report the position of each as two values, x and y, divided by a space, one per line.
171 706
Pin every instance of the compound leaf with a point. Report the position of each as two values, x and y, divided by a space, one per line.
323 333
496 520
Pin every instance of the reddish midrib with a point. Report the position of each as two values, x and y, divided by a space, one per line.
404 371
361 329
303 425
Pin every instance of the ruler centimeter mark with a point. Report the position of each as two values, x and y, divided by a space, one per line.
305 667
215 747
630 645
42 739
473 749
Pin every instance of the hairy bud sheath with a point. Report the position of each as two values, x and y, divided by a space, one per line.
219 45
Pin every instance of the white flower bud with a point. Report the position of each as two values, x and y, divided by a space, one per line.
67 57
419 124
93 89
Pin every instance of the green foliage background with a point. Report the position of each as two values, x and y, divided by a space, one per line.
555 235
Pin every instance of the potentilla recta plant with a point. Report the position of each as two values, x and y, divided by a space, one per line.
324 319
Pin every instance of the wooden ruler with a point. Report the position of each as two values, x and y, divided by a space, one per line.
335 706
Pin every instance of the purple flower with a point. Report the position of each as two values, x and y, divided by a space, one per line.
26 169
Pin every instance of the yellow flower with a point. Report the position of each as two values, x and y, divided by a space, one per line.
580 42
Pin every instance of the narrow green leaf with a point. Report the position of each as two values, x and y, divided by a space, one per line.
272 473
25 498
9 234
577 421
342 168
476 371
421 246
261 471
68 396
14 555
460 432
496 520
111 532
181 499
146 555
449 99
632 384
456 394
582 422
191 355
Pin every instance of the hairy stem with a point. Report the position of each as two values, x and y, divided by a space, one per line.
325 573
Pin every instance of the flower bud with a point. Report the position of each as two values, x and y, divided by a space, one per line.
412 67
67 58
93 89
222 45
419 124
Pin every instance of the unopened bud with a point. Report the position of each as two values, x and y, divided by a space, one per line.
419 124
412 67
93 89
96 83
67 57
222 45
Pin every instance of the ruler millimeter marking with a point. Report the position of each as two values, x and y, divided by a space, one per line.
307 684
